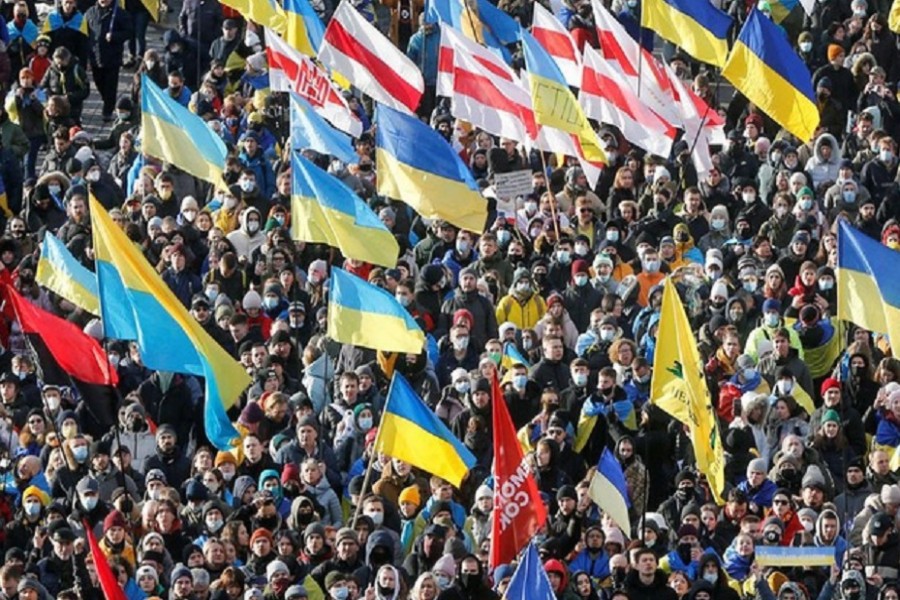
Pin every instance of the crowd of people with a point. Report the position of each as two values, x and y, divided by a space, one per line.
558 297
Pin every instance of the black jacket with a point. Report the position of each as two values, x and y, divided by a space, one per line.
107 20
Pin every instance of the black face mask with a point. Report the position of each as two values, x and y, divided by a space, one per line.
385 592
771 537
470 581
684 552
684 494
619 574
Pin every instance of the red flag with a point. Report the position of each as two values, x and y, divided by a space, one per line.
77 353
108 582
518 510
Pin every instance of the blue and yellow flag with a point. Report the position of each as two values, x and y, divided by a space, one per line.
609 490
408 426
416 165
480 21
309 130
172 133
61 273
303 27
264 12
697 26
530 581
362 314
679 387
868 289
135 304
326 211
512 356
764 67
780 556
554 103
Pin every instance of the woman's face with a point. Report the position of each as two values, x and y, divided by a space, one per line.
830 429
680 584
625 354
543 455
782 409
583 585
808 277
626 449
428 590
745 546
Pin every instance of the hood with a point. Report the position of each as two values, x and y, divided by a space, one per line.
835 148
242 218
751 401
380 538
269 474
555 566
240 487
826 514
790 586
171 37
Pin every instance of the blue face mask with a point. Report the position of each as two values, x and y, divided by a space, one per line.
89 503
270 303
520 381
80 453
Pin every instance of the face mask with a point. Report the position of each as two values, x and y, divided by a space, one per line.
580 379
154 494
403 300
80 453
531 207
214 525
520 381
54 189
607 335
340 593
826 284
151 64
252 226
189 216
772 320
165 194
749 286
651 266
247 185
563 257
212 294
806 204
503 237
775 158
92 176
377 517
749 374
748 197
886 156
534 232
443 582
462 246
527 344
384 592
612 235
230 202
89 503
462 386
806 47
785 386
270 303
53 403
461 343
581 250
581 280
32 509
523 288
495 357
849 196
718 224
365 424
114 359
780 211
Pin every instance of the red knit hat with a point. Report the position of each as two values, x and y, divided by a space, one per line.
114 519
830 383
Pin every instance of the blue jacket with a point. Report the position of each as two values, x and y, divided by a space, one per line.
761 497
596 567
423 49
265 176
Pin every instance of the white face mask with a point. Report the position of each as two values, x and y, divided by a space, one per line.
376 516
252 226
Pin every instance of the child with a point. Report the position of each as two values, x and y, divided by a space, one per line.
40 61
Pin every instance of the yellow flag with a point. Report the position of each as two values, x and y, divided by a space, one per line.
894 17
679 388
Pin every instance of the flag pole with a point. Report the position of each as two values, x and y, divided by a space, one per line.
552 197
706 113
374 455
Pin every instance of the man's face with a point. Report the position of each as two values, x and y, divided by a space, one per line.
467 282
646 564
349 390
879 462
553 349
166 442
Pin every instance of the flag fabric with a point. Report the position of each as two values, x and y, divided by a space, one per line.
483 90
554 103
76 353
698 119
310 130
355 48
480 21
326 211
291 71
530 581
558 42
868 290
408 426
609 491
679 388
512 356
135 304
303 29
62 274
108 581
519 511
697 26
416 165
765 68
638 67
894 17
264 12
607 98
782 9
362 314
783 556
172 133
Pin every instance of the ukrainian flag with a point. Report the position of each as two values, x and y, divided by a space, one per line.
172 133
362 314
806 556
416 165
480 21
326 211
61 273
609 490
309 130
868 291
264 12
135 304
303 27
697 26
764 67
530 581
410 431
554 103
512 356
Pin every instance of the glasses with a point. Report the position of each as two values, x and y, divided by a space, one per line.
779 501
